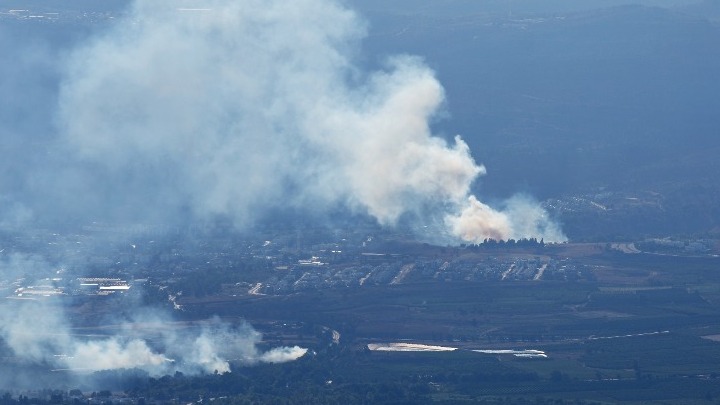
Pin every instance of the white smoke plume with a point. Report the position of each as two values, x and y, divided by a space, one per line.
246 105
210 347
219 343
230 110
38 332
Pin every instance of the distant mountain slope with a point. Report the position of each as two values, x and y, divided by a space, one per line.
450 8
619 99
558 100
561 102
708 9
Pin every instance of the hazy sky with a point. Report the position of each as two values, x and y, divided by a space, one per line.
233 111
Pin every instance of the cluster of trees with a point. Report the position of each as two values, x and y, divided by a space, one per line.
510 243
210 280
46 397
351 377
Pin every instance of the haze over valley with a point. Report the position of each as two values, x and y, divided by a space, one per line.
359 201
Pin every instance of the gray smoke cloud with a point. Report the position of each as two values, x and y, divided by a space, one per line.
229 110
243 106
36 329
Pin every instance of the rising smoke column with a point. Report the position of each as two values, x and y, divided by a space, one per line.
245 105
251 104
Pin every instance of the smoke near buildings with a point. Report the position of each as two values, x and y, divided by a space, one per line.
37 330
230 111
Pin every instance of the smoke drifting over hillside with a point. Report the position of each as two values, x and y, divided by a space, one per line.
244 106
